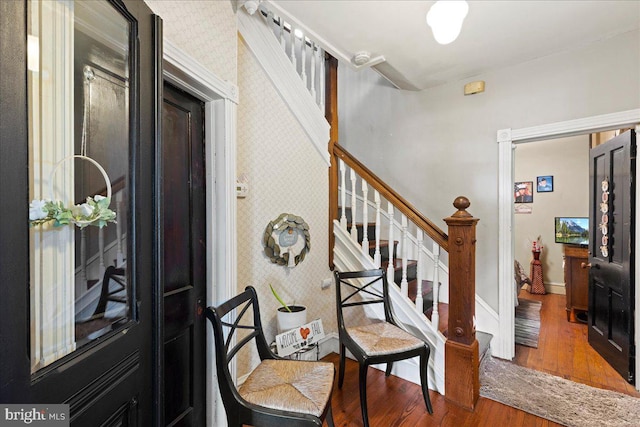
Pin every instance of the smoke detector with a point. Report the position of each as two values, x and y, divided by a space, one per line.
361 58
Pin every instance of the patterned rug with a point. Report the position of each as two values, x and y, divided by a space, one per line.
527 322
554 398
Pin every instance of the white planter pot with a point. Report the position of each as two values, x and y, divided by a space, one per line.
290 320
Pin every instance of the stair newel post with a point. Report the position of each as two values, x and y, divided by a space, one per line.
390 269
435 314
462 384
354 210
365 217
376 255
420 272
343 195
404 285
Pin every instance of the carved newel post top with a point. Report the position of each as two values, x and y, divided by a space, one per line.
461 203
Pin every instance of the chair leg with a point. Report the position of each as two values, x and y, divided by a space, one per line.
424 380
389 368
341 370
363 394
329 417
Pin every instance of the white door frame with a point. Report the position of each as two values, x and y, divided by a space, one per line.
221 100
504 346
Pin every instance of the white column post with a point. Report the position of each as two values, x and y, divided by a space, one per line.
303 59
313 72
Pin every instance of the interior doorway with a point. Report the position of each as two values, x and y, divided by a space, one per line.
505 346
557 216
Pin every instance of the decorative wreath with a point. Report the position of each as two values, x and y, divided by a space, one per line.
95 211
284 231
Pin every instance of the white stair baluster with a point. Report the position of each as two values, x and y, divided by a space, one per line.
354 229
321 79
83 260
420 272
435 315
283 41
303 60
101 251
343 196
376 255
313 72
365 217
390 267
119 252
404 285
270 22
292 41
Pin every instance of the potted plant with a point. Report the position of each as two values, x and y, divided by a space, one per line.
289 316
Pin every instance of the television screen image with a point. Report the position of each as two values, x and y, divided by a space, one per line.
572 230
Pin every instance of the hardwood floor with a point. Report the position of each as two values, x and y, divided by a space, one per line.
563 349
396 402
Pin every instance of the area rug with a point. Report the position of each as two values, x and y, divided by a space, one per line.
527 322
554 398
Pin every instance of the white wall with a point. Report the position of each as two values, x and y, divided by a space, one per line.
436 144
567 160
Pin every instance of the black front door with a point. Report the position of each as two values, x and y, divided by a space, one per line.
104 373
611 287
184 243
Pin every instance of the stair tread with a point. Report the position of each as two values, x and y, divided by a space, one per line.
443 311
397 263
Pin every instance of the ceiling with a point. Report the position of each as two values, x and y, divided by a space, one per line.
494 34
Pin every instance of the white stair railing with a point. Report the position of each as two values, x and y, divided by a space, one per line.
306 57
410 246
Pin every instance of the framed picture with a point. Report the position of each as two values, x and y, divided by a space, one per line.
523 192
545 184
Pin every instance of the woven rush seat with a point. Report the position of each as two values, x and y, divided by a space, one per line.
290 385
383 338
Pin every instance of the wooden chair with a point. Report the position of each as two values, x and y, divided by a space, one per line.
373 343
278 392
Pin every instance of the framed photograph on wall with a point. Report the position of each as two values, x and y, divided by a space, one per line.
544 184
523 192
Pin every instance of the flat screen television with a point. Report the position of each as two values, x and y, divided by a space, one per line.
572 230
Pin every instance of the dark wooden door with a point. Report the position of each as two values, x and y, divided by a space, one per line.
184 257
611 287
109 380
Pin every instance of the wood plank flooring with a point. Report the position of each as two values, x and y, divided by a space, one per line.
563 349
394 402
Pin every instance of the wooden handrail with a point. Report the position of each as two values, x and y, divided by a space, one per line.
435 233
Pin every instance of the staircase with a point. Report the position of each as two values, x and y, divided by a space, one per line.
398 237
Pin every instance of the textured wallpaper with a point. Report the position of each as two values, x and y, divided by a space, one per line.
205 30
285 174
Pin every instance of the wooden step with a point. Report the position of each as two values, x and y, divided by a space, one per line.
427 291
412 269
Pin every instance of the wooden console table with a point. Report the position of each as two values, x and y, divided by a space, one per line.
576 277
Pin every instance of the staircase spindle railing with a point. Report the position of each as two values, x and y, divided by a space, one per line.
435 314
354 213
420 273
404 284
365 217
391 247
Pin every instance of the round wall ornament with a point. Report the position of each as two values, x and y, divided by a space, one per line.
286 240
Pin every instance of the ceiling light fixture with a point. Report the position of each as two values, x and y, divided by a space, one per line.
445 19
